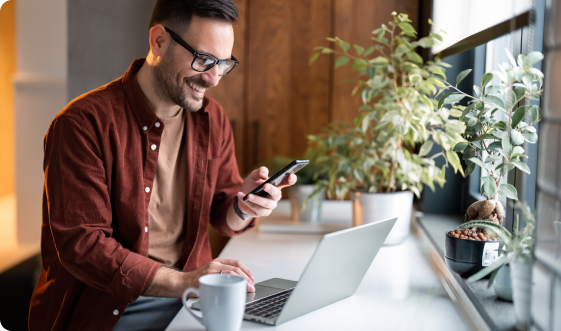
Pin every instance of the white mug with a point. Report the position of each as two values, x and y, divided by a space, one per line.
222 299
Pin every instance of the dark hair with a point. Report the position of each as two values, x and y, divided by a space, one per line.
177 14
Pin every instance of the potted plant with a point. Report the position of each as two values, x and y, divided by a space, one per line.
517 249
381 159
497 127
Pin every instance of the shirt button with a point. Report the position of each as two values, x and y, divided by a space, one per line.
144 128
115 312
153 147
147 190
157 124
145 229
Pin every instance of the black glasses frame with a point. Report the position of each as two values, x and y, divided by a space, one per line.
181 42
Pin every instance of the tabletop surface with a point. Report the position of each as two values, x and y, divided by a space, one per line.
400 291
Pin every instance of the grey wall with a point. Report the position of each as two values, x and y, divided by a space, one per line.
104 37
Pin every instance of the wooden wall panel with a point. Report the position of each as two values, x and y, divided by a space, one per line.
7 69
354 21
287 99
230 91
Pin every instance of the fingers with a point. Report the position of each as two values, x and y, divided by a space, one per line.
291 180
235 267
239 264
260 173
256 205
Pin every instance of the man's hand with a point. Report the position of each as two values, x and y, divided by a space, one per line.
260 206
224 266
171 283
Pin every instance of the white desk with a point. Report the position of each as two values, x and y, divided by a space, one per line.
399 292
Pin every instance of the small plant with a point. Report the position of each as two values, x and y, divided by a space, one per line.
515 246
379 151
497 126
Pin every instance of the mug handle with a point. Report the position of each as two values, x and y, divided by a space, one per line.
184 300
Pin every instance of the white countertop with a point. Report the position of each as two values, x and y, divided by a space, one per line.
399 292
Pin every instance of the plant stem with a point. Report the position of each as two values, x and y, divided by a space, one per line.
388 188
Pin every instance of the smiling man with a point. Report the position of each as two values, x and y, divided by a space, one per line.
135 171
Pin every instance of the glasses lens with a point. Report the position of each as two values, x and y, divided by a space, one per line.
226 66
203 62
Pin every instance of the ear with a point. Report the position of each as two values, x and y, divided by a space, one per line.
159 40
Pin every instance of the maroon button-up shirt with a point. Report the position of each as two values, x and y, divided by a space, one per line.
99 170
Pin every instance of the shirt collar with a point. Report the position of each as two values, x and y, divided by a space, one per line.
144 114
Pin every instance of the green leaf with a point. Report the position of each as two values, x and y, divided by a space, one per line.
462 75
415 58
495 100
441 101
493 147
509 191
369 50
534 113
407 29
344 45
504 259
455 161
530 137
483 136
459 147
516 137
507 147
454 98
426 148
470 168
426 42
518 116
359 49
510 99
486 79
358 64
341 61
534 57
489 186
479 163
313 58
521 166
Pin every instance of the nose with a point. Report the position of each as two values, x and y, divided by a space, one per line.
212 76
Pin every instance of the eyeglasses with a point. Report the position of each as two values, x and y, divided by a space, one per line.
203 62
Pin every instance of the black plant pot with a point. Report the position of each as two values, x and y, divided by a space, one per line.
466 257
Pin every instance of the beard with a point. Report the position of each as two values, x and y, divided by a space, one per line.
171 87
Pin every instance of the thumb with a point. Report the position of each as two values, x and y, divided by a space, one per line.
260 173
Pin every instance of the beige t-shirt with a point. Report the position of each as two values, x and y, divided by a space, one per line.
166 210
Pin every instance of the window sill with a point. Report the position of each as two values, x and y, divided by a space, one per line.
479 306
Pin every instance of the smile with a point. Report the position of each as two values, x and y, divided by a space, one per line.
196 87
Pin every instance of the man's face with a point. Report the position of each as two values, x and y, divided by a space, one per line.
175 79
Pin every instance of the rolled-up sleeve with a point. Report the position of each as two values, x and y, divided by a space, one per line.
80 215
228 184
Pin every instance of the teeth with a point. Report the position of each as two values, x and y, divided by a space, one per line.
196 87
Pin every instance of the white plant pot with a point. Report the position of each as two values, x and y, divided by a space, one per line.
299 194
521 274
503 283
373 207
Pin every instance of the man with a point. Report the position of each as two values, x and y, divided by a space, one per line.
134 173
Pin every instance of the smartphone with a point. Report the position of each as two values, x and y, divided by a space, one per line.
277 178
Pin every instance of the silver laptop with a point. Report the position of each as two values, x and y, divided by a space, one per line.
333 273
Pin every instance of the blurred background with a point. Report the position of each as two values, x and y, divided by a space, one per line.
53 51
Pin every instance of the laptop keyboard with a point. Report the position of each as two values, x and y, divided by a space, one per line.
269 307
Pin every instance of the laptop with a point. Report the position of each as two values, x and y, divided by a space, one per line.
334 272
